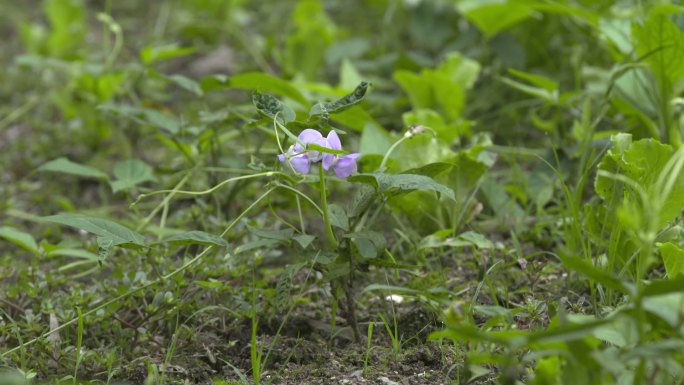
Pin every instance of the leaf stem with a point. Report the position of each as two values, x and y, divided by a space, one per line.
324 207
391 149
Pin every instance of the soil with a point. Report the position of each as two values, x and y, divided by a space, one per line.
313 358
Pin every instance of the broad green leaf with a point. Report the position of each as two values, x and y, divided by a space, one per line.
349 75
259 243
657 350
370 244
195 238
323 110
338 217
105 229
254 81
187 84
506 207
361 201
441 89
164 121
105 246
304 240
280 235
476 239
493 16
375 140
673 258
422 150
642 162
145 116
149 55
272 107
599 276
669 307
617 31
20 238
66 166
130 173
68 27
663 286
661 44
305 48
354 118
447 132
402 182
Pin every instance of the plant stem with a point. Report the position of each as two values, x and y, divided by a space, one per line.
391 149
324 206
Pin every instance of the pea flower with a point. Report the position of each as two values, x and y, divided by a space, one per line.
300 158
297 156
343 166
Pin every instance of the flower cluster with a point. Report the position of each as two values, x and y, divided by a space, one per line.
300 157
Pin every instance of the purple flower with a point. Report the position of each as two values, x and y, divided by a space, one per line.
300 158
297 156
343 166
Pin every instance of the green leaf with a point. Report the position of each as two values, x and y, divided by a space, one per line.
20 238
655 350
279 235
536 80
661 44
447 132
673 258
374 140
105 229
68 27
104 247
66 166
543 93
441 89
599 276
195 238
76 253
361 201
324 110
187 84
149 55
145 116
305 48
476 239
669 307
402 182
273 108
130 173
254 81
646 163
493 16
255 245
338 217
370 244
304 240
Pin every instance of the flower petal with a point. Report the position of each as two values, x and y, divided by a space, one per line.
334 141
315 156
345 166
300 163
328 160
281 158
310 136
